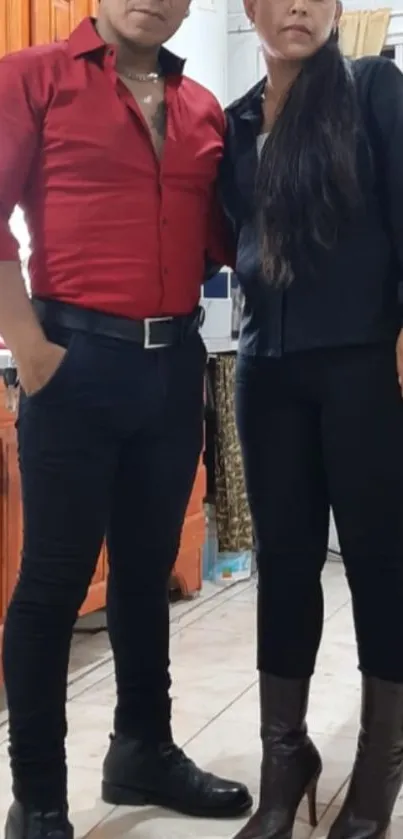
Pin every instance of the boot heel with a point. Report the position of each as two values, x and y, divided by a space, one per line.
123 796
311 794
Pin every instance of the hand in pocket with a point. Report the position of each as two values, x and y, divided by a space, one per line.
37 371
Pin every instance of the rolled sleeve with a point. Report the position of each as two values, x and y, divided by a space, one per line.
19 139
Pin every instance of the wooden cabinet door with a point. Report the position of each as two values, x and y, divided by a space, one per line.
11 522
54 20
14 25
11 527
10 513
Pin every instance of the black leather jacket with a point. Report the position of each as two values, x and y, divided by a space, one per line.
352 296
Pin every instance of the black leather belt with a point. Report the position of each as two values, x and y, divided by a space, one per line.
151 333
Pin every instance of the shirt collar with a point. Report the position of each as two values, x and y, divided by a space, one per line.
85 40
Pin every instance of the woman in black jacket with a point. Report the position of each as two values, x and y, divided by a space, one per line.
312 184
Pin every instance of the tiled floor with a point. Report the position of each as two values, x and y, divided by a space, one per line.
215 713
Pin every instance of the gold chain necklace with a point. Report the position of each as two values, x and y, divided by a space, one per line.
140 77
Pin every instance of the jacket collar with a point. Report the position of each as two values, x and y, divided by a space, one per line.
249 107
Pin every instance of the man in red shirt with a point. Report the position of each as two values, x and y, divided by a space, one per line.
112 153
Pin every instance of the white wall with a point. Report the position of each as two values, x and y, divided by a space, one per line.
202 40
243 63
243 55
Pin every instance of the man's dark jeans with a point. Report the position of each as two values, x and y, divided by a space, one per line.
109 446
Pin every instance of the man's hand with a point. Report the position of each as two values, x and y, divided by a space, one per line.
399 359
35 373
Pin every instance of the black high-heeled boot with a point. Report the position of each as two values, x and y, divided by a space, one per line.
291 764
378 769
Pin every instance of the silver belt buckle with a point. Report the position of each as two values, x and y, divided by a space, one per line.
148 322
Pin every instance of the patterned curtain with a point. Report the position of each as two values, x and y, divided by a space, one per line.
234 527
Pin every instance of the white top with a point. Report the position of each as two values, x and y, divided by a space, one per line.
260 142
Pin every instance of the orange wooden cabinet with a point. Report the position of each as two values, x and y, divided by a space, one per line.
14 25
27 22
189 564
53 20
11 526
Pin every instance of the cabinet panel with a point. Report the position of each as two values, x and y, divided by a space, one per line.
61 22
14 25
11 511
11 524
54 20
187 573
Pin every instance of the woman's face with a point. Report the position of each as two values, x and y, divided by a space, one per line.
293 30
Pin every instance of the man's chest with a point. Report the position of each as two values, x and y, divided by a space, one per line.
83 143
148 103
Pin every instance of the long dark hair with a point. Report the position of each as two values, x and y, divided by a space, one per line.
307 184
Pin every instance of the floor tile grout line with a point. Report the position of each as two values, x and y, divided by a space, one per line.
337 610
206 613
220 713
99 823
329 806
216 595
175 629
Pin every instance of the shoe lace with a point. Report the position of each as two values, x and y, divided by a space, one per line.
183 766
176 757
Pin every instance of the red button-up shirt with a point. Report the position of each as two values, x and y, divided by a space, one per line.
111 227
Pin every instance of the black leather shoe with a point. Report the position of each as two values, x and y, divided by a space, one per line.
137 773
24 824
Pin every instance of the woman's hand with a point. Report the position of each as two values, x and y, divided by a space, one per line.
399 359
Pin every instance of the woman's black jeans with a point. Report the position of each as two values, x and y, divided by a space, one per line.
319 429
